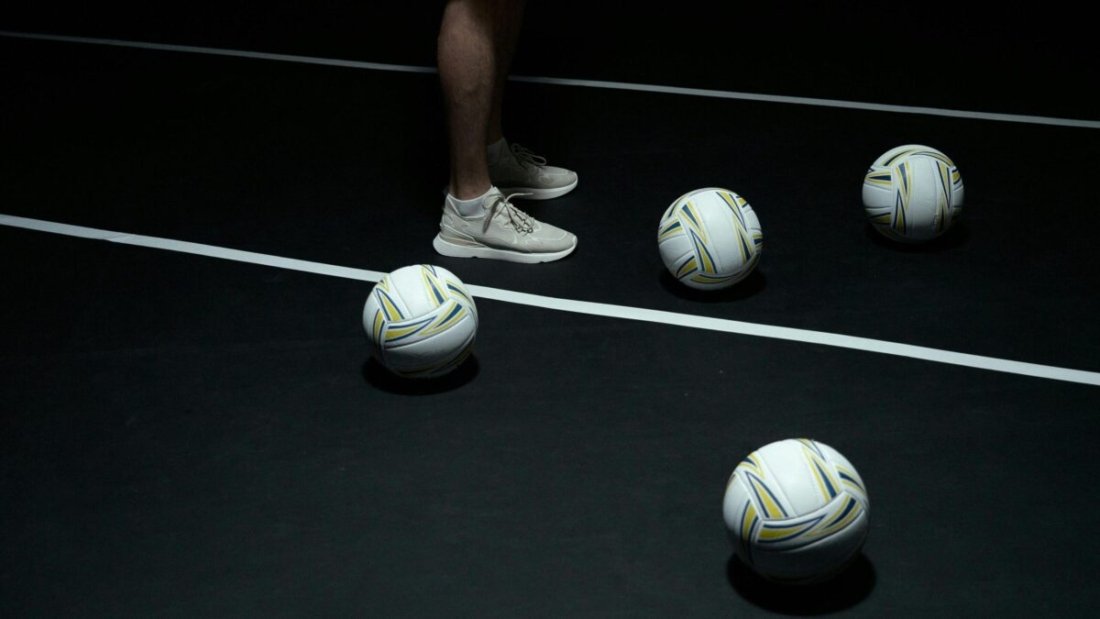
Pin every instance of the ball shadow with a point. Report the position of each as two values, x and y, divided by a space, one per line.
379 377
847 589
957 236
753 284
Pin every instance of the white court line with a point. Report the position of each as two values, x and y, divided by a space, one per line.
651 88
581 307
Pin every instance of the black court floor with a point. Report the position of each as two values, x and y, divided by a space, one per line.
185 435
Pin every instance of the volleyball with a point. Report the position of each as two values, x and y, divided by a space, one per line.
710 238
421 321
796 511
912 193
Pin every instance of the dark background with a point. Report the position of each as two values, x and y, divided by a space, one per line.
1013 57
184 436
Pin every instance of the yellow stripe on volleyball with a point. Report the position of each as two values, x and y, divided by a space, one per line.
448 318
457 289
746 245
851 510
943 197
396 333
689 216
751 463
767 500
379 324
402 331
687 268
702 252
901 201
734 204
823 477
901 155
938 156
433 285
748 520
671 229
849 478
811 445
388 306
703 278
776 533
879 178
840 517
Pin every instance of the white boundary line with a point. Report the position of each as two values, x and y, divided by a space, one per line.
650 88
580 307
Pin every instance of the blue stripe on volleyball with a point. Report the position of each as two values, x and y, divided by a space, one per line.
459 291
683 269
701 249
813 446
803 528
743 537
731 202
433 285
386 303
828 483
847 509
745 247
457 309
935 155
851 480
687 211
760 484
945 180
419 327
904 153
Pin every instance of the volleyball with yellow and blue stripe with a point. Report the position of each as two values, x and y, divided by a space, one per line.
710 238
796 511
421 321
913 193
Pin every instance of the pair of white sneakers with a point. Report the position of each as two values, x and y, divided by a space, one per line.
498 230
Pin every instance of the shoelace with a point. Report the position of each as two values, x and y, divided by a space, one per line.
520 221
527 158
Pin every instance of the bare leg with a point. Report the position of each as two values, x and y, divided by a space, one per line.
467 73
510 19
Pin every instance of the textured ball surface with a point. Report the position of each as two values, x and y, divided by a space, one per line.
913 193
710 238
421 321
796 511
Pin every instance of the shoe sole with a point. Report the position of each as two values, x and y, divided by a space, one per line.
447 248
535 193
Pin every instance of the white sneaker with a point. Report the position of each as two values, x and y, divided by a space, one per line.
501 232
518 170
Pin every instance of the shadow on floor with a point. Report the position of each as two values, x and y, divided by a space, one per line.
849 588
379 377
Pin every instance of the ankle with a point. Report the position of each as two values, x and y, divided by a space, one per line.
470 206
469 191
